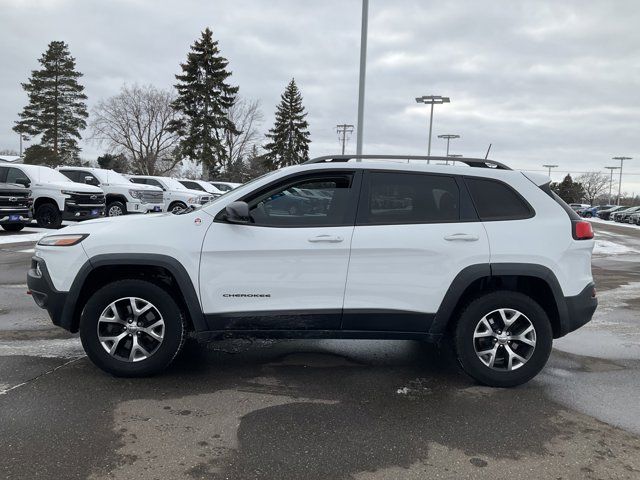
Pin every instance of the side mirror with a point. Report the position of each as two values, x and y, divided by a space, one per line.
238 212
23 181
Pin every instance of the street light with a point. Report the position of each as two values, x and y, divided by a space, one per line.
363 72
611 181
622 159
550 167
431 100
448 136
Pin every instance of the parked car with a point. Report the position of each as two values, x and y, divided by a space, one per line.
201 186
121 197
490 257
225 186
592 211
177 197
15 207
606 214
578 206
622 216
635 218
55 197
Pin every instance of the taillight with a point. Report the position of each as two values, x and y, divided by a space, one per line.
582 230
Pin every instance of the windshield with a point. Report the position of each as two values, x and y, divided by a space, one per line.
244 188
43 174
109 176
173 184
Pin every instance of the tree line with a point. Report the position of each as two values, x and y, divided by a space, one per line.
149 130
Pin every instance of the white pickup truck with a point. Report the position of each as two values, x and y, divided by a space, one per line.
177 197
55 197
121 196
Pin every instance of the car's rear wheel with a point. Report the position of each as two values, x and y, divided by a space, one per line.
48 216
132 328
13 227
503 339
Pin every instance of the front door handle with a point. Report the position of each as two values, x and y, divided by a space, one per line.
326 239
462 237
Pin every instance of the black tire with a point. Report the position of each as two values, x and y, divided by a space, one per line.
159 359
177 207
13 227
48 216
465 343
116 209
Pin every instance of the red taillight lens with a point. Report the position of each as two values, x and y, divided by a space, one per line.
582 230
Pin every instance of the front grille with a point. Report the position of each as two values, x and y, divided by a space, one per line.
151 197
18 199
205 199
86 198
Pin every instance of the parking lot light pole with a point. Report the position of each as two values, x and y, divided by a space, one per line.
431 100
363 73
448 136
622 159
549 167
611 169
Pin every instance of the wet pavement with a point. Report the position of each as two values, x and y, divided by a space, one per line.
323 409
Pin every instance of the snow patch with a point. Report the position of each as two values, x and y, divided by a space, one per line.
606 247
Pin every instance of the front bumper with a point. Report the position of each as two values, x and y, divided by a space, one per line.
45 295
140 207
82 212
17 216
580 310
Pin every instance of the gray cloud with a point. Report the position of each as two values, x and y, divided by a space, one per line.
544 81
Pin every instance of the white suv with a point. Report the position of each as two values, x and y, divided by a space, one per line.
176 196
121 196
55 197
487 257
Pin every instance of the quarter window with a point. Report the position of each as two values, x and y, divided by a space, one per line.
497 201
312 202
406 198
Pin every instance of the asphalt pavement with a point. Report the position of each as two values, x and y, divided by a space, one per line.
323 409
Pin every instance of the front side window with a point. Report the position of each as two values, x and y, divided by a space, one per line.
495 200
407 198
191 185
15 175
70 174
312 202
142 181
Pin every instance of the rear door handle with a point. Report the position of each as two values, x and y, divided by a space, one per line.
462 237
326 239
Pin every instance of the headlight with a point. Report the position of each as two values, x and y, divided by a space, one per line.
135 193
66 192
62 240
192 200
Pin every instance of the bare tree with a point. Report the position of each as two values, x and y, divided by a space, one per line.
594 184
134 123
247 117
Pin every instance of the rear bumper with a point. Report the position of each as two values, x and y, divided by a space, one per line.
580 310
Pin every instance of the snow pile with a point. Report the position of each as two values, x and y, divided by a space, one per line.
611 222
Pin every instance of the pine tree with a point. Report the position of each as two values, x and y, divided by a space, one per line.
56 108
204 97
290 135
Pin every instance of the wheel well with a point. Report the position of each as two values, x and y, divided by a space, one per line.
172 204
535 287
43 200
101 276
112 197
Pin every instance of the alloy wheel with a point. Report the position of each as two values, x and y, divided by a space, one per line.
504 339
115 211
131 329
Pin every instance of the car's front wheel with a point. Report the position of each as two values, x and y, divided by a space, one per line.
48 216
116 209
132 328
177 207
503 339
13 227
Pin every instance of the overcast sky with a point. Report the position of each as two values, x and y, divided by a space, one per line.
543 81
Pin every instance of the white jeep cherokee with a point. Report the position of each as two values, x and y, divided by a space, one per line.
488 257
121 196
177 197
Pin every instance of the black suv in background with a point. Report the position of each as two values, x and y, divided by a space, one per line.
607 214
15 206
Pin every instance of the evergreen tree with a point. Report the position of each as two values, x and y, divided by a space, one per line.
290 135
568 190
204 98
117 163
56 108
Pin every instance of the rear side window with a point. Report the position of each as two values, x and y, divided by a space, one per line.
406 198
495 200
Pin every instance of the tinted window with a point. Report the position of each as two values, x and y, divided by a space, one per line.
13 175
222 187
404 198
496 201
70 174
3 174
155 183
312 202
191 185
139 180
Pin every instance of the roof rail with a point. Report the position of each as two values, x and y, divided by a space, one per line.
472 162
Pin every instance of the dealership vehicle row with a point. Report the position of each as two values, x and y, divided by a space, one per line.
50 196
